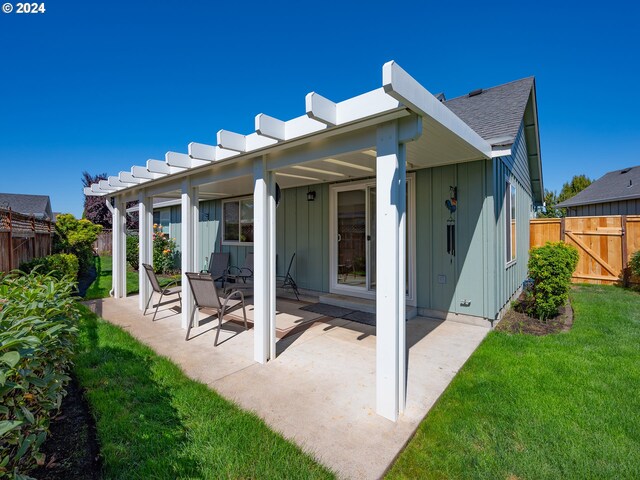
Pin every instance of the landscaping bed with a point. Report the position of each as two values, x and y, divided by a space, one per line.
517 320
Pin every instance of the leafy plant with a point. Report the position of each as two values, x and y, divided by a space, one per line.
634 264
551 267
164 250
77 237
133 250
58 265
38 315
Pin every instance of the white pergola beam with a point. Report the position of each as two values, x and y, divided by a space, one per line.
232 141
398 84
161 166
321 109
202 151
89 192
142 172
270 127
182 160
126 177
104 185
115 182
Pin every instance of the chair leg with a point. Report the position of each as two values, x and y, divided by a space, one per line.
195 309
244 314
157 307
148 302
220 315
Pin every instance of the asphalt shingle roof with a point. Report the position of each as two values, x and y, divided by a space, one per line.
612 187
497 112
37 205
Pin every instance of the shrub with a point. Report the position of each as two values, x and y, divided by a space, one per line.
133 249
634 264
37 335
58 265
77 237
164 250
551 267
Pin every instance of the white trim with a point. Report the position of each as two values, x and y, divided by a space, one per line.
509 184
364 292
238 200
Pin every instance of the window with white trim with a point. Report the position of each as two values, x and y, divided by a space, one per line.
237 221
510 221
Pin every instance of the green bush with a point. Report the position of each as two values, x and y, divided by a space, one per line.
133 249
634 264
77 237
551 267
58 265
37 335
164 251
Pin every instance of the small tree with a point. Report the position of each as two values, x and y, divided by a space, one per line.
573 187
76 237
551 268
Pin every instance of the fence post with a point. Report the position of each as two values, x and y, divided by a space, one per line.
562 227
625 253
11 267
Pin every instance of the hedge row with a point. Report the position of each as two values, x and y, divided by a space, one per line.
37 335
58 265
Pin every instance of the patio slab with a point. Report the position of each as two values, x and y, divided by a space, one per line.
320 390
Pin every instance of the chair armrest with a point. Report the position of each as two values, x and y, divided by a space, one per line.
168 285
230 296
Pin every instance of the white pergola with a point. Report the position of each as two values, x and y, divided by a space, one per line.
387 121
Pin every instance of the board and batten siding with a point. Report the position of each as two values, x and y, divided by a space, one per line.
509 278
624 207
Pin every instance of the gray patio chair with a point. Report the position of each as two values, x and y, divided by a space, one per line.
205 295
218 266
241 273
288 281
156 288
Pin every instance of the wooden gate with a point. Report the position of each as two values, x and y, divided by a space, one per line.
605 244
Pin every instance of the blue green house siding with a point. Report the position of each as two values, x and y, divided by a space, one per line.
476 281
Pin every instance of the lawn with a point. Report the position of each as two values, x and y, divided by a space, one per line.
154 422
102 285
561 406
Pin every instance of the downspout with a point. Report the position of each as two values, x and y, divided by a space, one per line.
110 207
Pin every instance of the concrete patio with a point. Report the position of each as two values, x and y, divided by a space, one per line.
320 390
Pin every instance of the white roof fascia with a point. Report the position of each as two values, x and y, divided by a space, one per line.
403 87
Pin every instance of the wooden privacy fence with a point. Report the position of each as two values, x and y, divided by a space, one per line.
22 238
104 244
605 244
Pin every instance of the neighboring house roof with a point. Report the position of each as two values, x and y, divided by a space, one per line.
494 113
37 205
614 186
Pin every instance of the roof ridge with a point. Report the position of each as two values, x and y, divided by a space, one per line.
465 95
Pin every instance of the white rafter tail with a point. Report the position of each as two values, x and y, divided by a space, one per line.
115 182
160 166
126 177
182 160
321 109
232 141
95 188
90 193
403 87
301 126
142 172
201 151
255 141
270 127
104 185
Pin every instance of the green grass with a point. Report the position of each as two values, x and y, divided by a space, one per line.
561 406
154 422
102 285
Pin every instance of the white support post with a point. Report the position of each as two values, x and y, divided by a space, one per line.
145 254
188 243
264 262
390 279
119 278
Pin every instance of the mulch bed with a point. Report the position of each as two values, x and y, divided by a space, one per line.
72 450
517 321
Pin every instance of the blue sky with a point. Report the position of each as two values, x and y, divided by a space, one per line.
101 86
